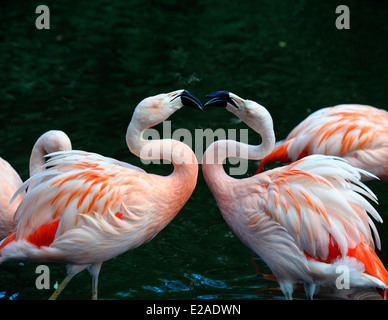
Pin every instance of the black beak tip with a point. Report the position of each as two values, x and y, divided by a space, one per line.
216 102
220 99
190 100
215 94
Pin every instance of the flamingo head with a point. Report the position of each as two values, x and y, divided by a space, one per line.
54 140
156 109
252 113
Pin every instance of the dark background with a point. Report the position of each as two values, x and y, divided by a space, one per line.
99 59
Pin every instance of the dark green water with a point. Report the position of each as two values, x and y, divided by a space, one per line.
99 59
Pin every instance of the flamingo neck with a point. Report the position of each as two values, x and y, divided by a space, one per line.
37 159
217 152
180 155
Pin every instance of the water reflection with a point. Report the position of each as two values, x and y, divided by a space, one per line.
320 293
4 295
228 296
169 286
194 279
202 280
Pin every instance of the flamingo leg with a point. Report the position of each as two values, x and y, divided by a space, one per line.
94 271
62 286
287 288
309 288
94 288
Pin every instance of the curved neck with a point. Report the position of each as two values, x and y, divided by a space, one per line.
37 159
218 151
181 155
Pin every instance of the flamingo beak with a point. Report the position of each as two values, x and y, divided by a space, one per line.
190 100
220 99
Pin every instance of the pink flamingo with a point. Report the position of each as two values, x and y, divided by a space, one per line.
357 133
85 209
304 220
10 181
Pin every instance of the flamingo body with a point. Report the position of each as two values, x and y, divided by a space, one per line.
10 181
305 219
357 133
299 219
96 205
84 208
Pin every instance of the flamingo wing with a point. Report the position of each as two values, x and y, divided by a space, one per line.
77 189
126 165
343 130
355 126
319 201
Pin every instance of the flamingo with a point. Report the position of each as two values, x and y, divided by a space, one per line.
85 208
358 133
10 181
304 220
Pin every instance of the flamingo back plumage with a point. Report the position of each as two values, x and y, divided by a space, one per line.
358 133
320 201
93 202
361 252
279 154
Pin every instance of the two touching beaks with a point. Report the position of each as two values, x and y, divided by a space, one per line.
218 99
